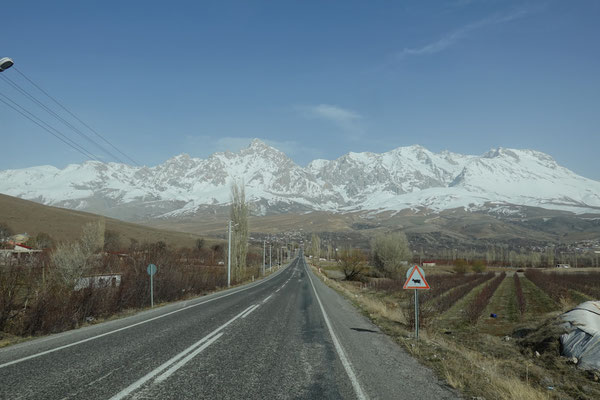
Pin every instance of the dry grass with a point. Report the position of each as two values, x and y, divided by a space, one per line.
371 305
472 371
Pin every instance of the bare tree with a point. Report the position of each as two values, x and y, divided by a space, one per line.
112 240
390 251
315 246
43 241
70 261
92 237
73 260
239 234
353 263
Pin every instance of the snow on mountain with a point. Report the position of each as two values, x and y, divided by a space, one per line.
406 177
368 177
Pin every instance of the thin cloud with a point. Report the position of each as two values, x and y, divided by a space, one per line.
451 38
347 120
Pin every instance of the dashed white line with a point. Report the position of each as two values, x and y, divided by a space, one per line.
193 348
265 300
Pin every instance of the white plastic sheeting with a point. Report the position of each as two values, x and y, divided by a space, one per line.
582 339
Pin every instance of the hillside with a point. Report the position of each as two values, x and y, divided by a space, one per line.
65 225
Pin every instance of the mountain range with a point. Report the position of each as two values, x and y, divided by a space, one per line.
410 177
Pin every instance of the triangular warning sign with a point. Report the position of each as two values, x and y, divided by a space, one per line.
416 280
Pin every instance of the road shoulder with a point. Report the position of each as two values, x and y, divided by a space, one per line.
383 368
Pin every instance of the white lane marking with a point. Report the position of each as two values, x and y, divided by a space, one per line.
133 325
265 300
277 290
340 350
249 311
181 363
137 384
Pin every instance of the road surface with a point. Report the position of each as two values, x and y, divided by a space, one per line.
285 337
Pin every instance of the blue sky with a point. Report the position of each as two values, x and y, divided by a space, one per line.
315 79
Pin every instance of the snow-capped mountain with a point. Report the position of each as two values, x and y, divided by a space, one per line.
406 177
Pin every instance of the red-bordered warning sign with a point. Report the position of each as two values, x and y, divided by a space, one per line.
416 279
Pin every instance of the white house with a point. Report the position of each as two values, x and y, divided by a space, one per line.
98 281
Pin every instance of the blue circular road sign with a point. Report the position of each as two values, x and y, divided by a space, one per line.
151 269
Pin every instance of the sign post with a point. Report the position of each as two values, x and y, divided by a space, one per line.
151 271
417 314
415 279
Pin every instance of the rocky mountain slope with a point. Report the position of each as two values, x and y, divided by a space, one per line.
404 178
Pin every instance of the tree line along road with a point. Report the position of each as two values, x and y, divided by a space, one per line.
286 336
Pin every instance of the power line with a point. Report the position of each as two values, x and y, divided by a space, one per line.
74 116
40 122
49 129
55 115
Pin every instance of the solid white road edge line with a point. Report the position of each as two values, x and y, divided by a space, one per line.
137 384
340 350
136 324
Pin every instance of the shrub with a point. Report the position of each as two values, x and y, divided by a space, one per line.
478 266
460 266
43 241
353 264
389 252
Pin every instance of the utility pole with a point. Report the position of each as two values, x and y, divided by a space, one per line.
264 255
270 257
229 257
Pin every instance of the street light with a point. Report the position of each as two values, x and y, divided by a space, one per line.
5 63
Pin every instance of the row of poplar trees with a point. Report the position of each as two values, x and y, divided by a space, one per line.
239 230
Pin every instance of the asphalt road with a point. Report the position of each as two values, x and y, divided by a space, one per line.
287 336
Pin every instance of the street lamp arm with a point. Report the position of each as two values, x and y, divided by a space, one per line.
6 63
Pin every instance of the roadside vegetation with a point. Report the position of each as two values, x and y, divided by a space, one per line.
489 332
64 288
70 284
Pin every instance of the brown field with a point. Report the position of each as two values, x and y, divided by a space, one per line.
485 357
65 225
